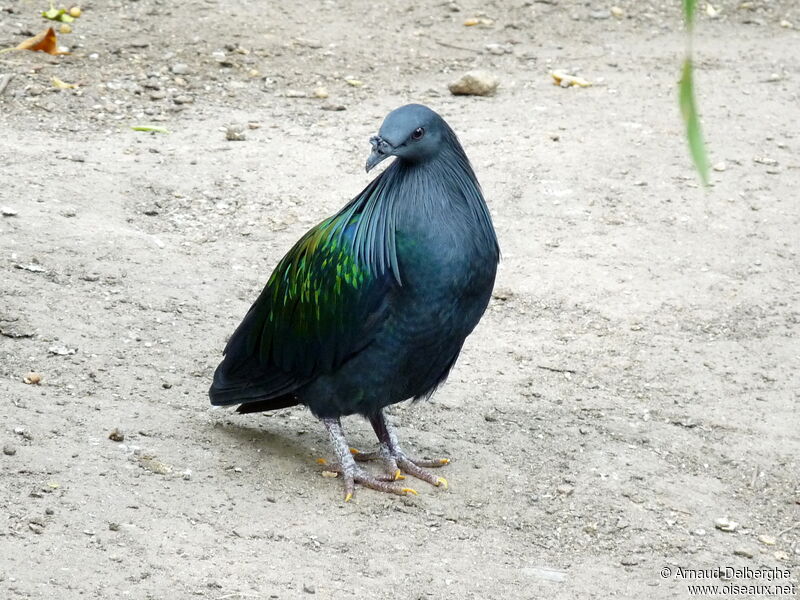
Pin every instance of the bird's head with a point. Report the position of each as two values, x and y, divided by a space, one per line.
414 133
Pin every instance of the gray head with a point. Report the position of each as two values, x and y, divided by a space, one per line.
414 133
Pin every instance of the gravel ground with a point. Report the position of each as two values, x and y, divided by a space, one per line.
634 381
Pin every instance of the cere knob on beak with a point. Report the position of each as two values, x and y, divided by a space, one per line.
381 150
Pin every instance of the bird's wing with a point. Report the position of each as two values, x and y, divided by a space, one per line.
319 307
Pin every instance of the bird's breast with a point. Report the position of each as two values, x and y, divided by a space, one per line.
446 262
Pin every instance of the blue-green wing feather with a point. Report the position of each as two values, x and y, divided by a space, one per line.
321 305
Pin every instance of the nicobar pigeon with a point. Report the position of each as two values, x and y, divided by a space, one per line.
372 306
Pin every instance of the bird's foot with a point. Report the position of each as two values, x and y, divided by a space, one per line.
353 474
398 463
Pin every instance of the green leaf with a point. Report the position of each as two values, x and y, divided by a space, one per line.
53 14
688 12
689 111
150 128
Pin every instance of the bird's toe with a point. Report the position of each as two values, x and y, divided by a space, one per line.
430 464
412 468
358 476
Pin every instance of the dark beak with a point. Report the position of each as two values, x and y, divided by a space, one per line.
381 150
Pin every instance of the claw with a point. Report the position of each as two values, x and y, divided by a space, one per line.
442 481
348 497
330 474
322 461
398 475
444 461
355 451
409 491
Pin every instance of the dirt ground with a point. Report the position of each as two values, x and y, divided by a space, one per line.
634 379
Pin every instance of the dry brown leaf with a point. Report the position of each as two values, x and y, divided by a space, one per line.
46 41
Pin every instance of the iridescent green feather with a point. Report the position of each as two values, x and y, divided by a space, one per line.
311 312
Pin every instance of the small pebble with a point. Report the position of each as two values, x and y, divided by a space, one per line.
36 528
321 93
32 378
26 435
116 435
62 350
720 166
746 552
235 133
183 99
725 524
180 68
565 489
113 526
474 83
333 107
498 49
617 12
309 589
8 212
9 450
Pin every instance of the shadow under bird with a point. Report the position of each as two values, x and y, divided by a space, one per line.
372 306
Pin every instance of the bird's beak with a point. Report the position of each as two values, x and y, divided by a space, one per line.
381 150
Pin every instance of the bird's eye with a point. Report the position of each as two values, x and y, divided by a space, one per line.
418 133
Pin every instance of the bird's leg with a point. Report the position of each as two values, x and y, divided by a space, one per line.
350 471
389 452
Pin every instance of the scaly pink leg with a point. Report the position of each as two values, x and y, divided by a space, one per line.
396 461
352 473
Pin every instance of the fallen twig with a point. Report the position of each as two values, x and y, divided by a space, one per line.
446 45
556 370
788 529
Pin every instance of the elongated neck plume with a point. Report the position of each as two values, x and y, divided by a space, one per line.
373 214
